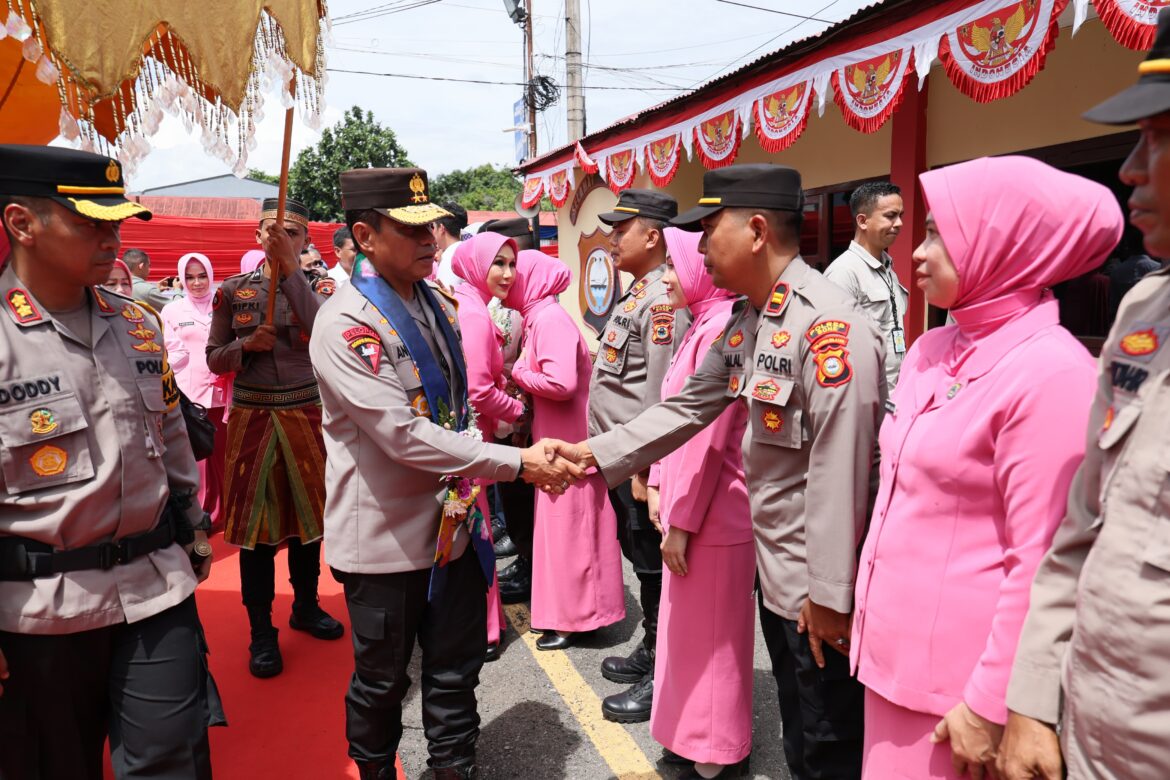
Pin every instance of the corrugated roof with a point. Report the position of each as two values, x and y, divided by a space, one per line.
789 52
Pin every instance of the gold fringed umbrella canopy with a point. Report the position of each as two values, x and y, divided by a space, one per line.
113 67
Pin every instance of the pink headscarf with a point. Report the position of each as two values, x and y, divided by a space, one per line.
125 268
202 303
251 260
1014 226
474 257
698 289
538 278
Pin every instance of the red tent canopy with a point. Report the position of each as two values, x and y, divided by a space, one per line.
224 241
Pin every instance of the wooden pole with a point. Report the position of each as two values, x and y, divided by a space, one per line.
281 197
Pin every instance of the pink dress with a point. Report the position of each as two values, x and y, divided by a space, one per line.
981 439
485 371
576 560
703 670
186 323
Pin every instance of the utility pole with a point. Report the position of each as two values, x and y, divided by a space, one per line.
529 71
573 72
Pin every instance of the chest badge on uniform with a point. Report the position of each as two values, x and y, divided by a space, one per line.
733 385
43 421
736 339
420 405
662 319
781 338
246 293
1140 342
611 355
954 389
630 306
612 337
132 313
364 343
244 318
766 390
772 420
49 461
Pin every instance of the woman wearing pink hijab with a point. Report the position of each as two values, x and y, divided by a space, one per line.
703 670
487 264
576 561
980 441
186 323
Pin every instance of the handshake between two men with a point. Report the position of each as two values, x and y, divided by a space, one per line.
554 465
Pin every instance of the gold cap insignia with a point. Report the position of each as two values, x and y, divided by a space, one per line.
419 188
112 172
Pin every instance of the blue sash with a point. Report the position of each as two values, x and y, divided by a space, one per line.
437 390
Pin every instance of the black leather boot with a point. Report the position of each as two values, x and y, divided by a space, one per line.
264 652
630 669
309 617
376 770
517 588
504 546
517 568
463 771
632 706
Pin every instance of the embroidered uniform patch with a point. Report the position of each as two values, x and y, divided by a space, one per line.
49 461
772 421
733 385
105 307
630 306
170 387
246 293
132 313
217 300
611 355
1140 342
766 390
781 338
828 341
662 320
364 343
420 405
326 287
244 318
736 339
22 306
42 421
718 338
776 299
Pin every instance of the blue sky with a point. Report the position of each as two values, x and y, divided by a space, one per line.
639 52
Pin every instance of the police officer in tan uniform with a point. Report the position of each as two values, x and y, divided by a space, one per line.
633 355
808 365
410 547
274 486
1094 654
99 636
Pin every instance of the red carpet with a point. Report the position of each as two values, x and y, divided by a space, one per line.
291 725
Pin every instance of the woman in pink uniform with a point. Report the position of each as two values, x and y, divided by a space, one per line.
576 561
487 265
980 441
703 663
186 322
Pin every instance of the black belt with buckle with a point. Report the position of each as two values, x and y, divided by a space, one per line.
27 559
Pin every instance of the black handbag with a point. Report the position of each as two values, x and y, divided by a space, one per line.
200 430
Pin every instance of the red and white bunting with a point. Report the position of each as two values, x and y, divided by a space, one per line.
586 163
998 54
560 184
781 117
620 169
1132 22
868 92
533 189
662 158
717 139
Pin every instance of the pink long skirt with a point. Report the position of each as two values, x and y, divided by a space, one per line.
898 746
576 560
703 664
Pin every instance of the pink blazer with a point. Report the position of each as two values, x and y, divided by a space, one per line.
709 465
185 331
485 364
975 474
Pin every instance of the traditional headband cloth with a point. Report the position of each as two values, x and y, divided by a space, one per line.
293 211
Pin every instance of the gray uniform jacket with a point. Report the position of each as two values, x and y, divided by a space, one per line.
633 354
809 368
92 442
1098 628
385 457
239 307
877 290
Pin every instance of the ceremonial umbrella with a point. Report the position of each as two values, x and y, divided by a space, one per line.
106 71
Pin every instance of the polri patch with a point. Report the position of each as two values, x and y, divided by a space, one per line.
364 343
22 307
326 287
662 320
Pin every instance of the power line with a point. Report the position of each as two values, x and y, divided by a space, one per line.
774 11
373 14
485 81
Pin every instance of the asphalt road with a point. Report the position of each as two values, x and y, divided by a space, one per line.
541 717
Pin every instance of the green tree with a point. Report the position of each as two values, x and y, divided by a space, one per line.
258 175
485 188
357 141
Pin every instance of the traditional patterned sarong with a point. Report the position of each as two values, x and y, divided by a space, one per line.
274 485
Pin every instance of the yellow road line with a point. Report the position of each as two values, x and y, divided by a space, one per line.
625 759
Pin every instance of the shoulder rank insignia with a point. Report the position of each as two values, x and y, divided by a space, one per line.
777 299
103 306
22 307
363 341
